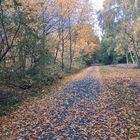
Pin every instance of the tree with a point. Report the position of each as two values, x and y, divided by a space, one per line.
118 18
38 36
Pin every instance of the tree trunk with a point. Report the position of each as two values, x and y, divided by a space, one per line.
70 39
136 53
59 36
56 54
62 39
62 53
22 61
126 54
131 55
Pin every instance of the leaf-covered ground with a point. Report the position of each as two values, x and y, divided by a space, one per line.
122 90
82 109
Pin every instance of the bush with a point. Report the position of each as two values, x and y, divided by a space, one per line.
52 74
26 82
44 76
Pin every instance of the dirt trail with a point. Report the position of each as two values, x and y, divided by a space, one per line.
65 114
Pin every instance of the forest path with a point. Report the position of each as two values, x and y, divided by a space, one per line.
69 114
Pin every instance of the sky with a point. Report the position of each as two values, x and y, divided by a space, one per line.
98 4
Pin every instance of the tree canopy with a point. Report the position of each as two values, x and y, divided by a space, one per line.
38 37
119 21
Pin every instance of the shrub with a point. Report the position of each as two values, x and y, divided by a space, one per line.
45 76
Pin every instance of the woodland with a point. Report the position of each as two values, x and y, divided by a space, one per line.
42 40
68 46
